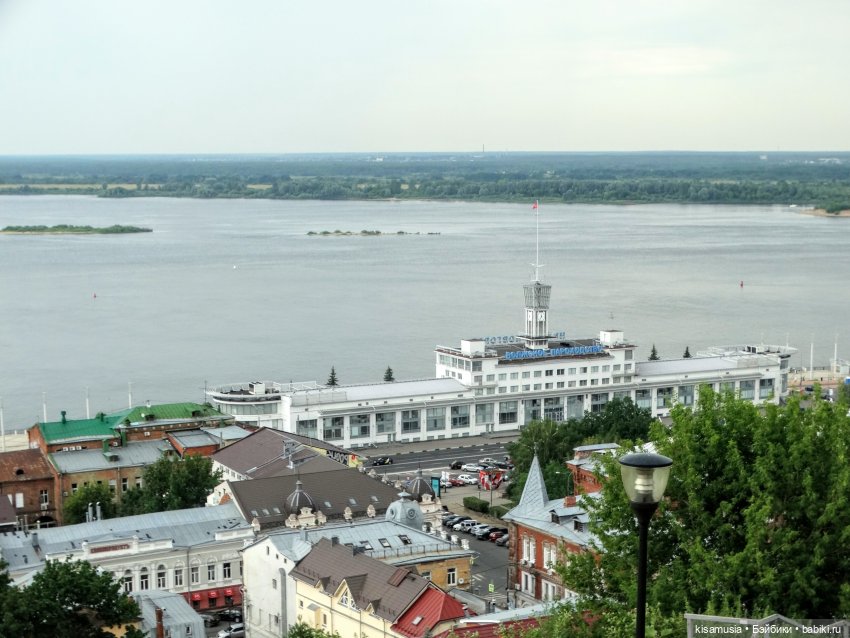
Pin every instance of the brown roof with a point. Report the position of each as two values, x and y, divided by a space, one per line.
332 491
369 581
23 465
265 453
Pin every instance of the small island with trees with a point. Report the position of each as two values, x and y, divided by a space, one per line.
66 229
362 233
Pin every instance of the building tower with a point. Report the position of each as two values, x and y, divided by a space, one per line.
537 296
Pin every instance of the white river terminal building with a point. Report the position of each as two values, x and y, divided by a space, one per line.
501 383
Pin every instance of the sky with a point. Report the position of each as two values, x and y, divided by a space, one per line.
285 76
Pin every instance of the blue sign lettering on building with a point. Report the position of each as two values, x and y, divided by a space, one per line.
553 352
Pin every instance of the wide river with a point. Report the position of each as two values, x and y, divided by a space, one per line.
227 291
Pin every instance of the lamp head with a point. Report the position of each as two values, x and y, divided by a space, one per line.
645 476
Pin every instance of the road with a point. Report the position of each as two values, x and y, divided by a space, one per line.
437 460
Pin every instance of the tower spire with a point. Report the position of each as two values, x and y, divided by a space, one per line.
537 265
537 295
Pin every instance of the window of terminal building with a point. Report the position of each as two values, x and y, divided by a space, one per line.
484 413
582 382
598 401
460 416
548 386
560 372
748 389
503 376
514 375
526 388
503 390
606 381
537 386
663 397
606 368
765 388
385 422
571 371
476 366
550 373
628 367
477 379
507 412
359 425
583 370
491 390
575 407
617 367
594 368
410 421
594 382
560 384
332 427
308 427
514 388
435 419
571 384
538 373
643 399
526 375
629 355
491 377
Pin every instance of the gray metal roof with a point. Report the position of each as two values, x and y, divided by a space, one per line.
597 447
534 499
388 541
177 613
194 438
187 528
133 454
228 432
684 366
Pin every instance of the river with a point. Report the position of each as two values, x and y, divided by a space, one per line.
236 290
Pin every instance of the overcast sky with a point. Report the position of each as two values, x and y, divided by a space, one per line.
281 76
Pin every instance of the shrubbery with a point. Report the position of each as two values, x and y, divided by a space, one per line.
476 504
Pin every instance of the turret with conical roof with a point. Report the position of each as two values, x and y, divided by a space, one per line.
405 512
534 502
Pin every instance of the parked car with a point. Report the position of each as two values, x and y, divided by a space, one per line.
476 528
487 461
502 465
503 541
209 620
456 482
467 479
234 614
445 484
497 532
454 520
482 532
236 630
382 460
456 465
465 526
446 515
470 467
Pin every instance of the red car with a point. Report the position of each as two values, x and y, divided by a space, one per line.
497 534
456 482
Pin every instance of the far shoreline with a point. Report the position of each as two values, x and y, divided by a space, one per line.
820 212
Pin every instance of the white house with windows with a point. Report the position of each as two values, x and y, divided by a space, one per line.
501 383
192 552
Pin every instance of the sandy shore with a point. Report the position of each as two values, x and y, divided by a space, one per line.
820 212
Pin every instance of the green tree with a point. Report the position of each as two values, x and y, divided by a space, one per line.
332 380
653 355
71 600
388 374
752 520
172 484
303 630
76 505
687 354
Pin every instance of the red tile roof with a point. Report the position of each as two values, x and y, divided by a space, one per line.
431 608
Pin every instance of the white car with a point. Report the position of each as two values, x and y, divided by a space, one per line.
487 461
471 467
465 526
469 480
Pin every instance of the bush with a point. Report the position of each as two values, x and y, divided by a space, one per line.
476 504
499 511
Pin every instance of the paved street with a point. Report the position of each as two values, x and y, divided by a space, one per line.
438 458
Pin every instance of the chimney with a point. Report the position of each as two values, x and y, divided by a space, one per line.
99 511
334 540
160 626
64 420
569 501
35 540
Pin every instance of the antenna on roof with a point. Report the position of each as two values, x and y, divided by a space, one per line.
537 265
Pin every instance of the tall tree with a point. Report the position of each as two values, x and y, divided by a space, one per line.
388 374
77 504
172 484
71 600
755 519
332 380
653 355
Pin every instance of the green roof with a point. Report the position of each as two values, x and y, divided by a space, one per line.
99 427
173 412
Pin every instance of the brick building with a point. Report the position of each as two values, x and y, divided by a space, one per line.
542 532
26 479
584 466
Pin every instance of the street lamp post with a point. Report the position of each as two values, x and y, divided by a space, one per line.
644 477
